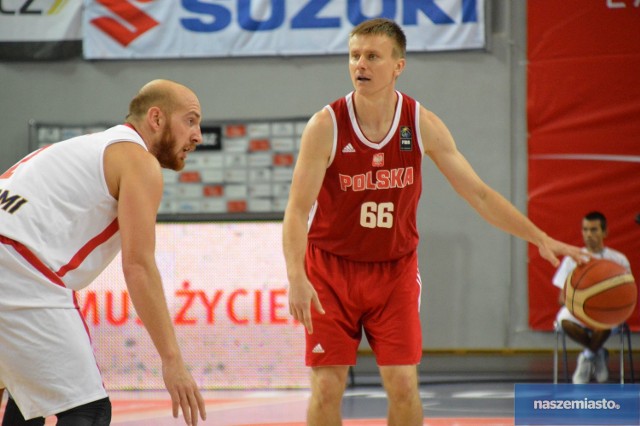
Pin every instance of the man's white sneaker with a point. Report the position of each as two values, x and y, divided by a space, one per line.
583 371
601 369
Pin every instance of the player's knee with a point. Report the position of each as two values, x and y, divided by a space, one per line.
328 388
401 384
96 413
402 389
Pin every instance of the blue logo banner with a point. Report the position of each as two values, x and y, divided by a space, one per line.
568 404
128 29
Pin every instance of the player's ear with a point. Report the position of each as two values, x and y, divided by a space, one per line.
400 66
154 117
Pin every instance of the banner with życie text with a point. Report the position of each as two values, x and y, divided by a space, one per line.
225 285
223 28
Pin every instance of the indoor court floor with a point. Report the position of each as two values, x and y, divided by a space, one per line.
444 404
471 390
479 404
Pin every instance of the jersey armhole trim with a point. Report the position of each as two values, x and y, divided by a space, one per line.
418 132
105 187
334 143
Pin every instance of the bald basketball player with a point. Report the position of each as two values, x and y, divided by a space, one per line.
68 209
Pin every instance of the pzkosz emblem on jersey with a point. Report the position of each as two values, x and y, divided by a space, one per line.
378 160
405 138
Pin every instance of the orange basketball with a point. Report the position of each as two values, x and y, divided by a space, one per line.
601 294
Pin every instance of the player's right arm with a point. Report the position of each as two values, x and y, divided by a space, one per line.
309 172
135 180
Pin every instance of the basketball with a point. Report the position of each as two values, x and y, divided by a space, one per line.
600 293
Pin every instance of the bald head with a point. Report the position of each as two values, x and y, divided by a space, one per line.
164 94
167 116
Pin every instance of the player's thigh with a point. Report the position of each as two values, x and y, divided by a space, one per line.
47 361
337 332
96 413
392 323
13 417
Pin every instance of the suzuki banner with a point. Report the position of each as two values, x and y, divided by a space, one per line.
224 28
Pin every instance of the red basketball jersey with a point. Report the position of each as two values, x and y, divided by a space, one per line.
366 208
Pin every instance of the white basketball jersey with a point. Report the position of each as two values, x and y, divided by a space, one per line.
58 221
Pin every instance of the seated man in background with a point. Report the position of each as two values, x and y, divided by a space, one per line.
592 361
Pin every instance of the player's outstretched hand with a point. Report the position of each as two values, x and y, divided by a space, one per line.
184 392
552 250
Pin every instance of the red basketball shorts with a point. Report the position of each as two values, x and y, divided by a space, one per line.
381 298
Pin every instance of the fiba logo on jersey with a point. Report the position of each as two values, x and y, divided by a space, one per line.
405 138
378 160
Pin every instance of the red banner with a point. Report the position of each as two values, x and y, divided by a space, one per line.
583 112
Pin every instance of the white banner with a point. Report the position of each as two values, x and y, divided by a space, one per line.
222 28
226 289
40 20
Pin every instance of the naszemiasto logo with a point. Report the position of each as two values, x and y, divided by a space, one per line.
212 16
31 7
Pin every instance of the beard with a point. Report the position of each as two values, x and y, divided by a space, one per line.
165 151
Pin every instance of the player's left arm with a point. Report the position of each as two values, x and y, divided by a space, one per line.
493 207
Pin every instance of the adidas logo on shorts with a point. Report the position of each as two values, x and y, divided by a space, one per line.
318 349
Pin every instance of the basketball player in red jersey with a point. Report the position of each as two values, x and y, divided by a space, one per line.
350 233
